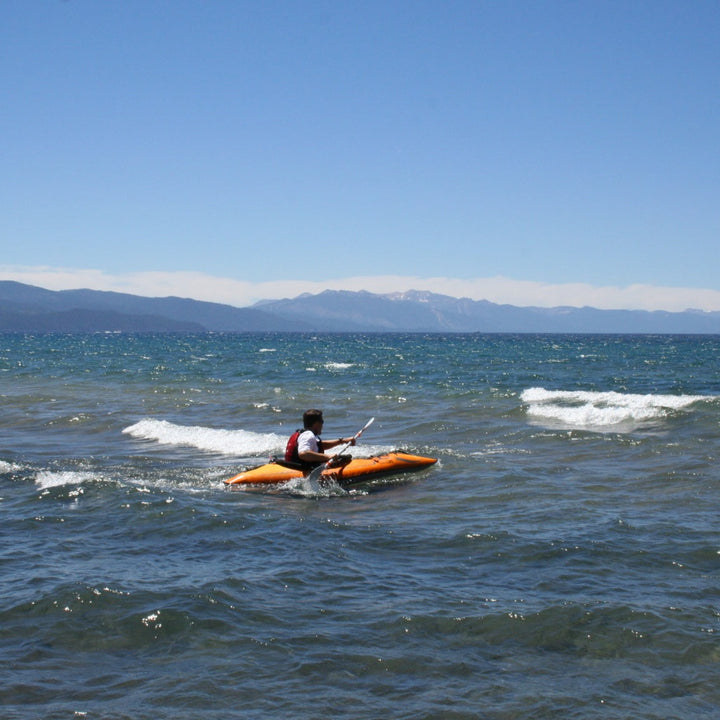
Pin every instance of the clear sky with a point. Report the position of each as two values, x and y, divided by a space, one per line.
530 152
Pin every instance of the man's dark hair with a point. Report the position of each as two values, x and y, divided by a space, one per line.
310 417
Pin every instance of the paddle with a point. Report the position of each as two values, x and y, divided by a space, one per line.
314 476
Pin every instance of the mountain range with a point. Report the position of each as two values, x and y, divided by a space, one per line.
26 308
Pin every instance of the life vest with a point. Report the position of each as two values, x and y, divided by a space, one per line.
291 449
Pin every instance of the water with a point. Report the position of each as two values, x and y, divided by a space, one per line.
562 559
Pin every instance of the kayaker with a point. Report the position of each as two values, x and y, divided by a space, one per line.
306 447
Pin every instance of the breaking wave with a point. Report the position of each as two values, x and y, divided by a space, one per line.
577 408
242 443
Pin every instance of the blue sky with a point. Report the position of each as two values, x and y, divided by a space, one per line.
536 152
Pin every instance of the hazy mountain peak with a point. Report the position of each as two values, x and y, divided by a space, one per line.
26 308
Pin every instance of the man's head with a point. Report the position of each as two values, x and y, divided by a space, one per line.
311 417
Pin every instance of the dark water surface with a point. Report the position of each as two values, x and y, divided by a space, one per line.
562 560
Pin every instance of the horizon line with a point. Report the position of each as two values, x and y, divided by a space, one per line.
241 293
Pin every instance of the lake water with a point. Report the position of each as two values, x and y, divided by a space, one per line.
561 560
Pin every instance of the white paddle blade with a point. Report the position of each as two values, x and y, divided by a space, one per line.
367 425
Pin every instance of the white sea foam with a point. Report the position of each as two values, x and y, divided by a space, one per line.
47 479
6 467
364 450
338 365
305 487
242 443
603 409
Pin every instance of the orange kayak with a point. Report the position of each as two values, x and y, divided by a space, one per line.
357 470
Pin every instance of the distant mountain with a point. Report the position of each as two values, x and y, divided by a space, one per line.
416 311
31 309
25 308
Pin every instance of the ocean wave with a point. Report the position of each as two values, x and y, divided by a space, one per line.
47 479
8 467
241 443
580 408
238 443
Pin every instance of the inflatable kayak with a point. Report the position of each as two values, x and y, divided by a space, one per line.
356 471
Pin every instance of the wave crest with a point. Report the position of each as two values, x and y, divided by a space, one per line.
241 443
582 408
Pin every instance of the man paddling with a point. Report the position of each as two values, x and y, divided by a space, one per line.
307 448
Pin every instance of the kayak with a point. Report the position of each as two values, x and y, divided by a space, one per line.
356 471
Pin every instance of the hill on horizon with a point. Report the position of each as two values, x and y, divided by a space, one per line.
27 308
